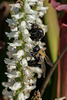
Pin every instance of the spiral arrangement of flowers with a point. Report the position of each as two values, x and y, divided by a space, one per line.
21 76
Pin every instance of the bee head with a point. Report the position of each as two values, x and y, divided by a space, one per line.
34 26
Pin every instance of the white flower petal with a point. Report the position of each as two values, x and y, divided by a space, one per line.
28 10
24 62
10 62
26 32
21 96
32 0
27 96
30 87
33 81
31 18
18 16
6 84
11 67
12 34
15 43
11 22
16 86
12 74
17 5
42 8
14 29
36 70
19 54
9 94
22 25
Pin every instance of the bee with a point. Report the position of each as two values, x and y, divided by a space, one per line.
40 58
36 32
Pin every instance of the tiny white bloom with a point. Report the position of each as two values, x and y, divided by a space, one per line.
9 94
19 54
27 95
18 16
13 34
11 22
24 62
10 62
14 29
17 5
33 81
36 70
31 18
22 25
42 8
15 43
12 74
11 67
32 0
30 87
28 10
6 84
21 96
16 86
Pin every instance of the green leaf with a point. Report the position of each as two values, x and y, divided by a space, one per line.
51 20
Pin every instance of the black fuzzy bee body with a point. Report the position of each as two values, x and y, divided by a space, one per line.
36 32
40 59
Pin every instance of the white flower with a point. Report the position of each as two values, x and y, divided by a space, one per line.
14 29
13 34
22 26
11 49
36 70
15 43
18 16
5 92
40 44
11 67
30 87
27 95
17 5
24 62
10 62
31 18
33 81
28 73
31 0
26 32
41 10
19 54
21 96
16 86
6 84
28 10
11 22
12 74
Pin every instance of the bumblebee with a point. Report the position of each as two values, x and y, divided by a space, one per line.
36 32
40 58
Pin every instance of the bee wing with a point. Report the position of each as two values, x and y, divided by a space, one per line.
48 61
43 66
